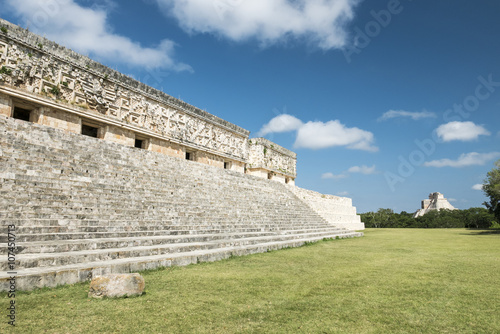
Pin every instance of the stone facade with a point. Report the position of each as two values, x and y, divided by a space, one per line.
65 90
269 160
435 202
60 88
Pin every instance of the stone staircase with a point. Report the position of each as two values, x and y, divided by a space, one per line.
83 206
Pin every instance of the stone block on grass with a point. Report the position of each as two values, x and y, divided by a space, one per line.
117 285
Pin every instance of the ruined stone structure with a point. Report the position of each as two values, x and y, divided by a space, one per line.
271 161
103 174
435 202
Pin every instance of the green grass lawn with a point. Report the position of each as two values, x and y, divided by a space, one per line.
390 281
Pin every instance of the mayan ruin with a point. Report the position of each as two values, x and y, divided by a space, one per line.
435 202
103 174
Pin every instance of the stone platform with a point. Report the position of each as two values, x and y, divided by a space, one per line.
83 206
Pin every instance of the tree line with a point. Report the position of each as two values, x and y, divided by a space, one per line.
470 218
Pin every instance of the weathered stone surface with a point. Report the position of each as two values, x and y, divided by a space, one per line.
65 90
336 210
269 160
117 285
37 66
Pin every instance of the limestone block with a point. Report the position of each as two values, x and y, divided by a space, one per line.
60 120
238 166
210 159
259 172
119 135
280 178
165 147
5 105
117 285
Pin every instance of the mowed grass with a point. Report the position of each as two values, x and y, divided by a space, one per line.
390 281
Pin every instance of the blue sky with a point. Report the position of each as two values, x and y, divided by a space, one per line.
384 101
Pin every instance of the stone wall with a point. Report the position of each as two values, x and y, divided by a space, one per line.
267 159
64 121
336 210
5 105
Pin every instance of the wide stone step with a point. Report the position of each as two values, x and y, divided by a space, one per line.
145 214
91 192
33 216
29 279
58 246
166 221
53 176
24 219
55 244
104 254
73 228
165 231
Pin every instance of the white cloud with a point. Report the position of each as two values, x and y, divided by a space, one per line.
321 22
464 131
363 170
354 169
317 135
343 193
469 159
452 200
281 123
87 31
401 113
333 176
477 187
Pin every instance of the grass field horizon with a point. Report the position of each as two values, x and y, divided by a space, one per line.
390 281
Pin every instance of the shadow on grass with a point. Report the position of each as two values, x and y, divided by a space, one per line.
483 231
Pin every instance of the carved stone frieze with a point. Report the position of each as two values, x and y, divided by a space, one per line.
267 155
35 66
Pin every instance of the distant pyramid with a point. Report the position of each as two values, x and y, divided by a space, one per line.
436 201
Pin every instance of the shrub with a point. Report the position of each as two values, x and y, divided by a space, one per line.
5 70
55 90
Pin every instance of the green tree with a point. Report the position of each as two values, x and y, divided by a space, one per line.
491 188
385 217
477 218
